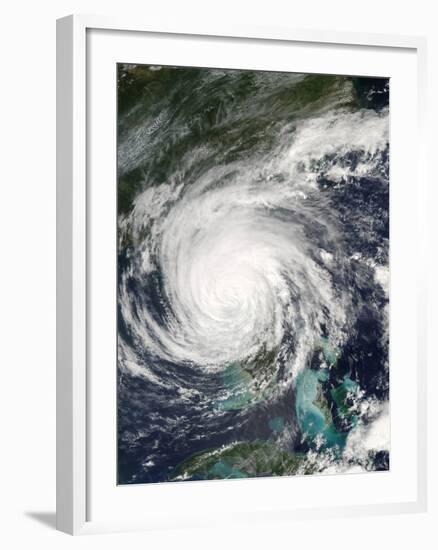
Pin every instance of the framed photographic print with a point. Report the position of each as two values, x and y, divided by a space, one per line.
240 275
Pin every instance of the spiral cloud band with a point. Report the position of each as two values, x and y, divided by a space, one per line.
253 267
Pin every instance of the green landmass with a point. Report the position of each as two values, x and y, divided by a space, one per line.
243 459
145 92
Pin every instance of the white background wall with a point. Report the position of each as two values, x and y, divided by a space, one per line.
27 302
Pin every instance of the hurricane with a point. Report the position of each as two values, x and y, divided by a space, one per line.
253 274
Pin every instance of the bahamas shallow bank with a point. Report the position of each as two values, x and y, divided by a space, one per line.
253 273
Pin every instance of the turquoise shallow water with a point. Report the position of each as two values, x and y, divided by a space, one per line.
310 417
313 421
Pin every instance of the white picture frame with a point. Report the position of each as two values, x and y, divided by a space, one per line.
74 396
